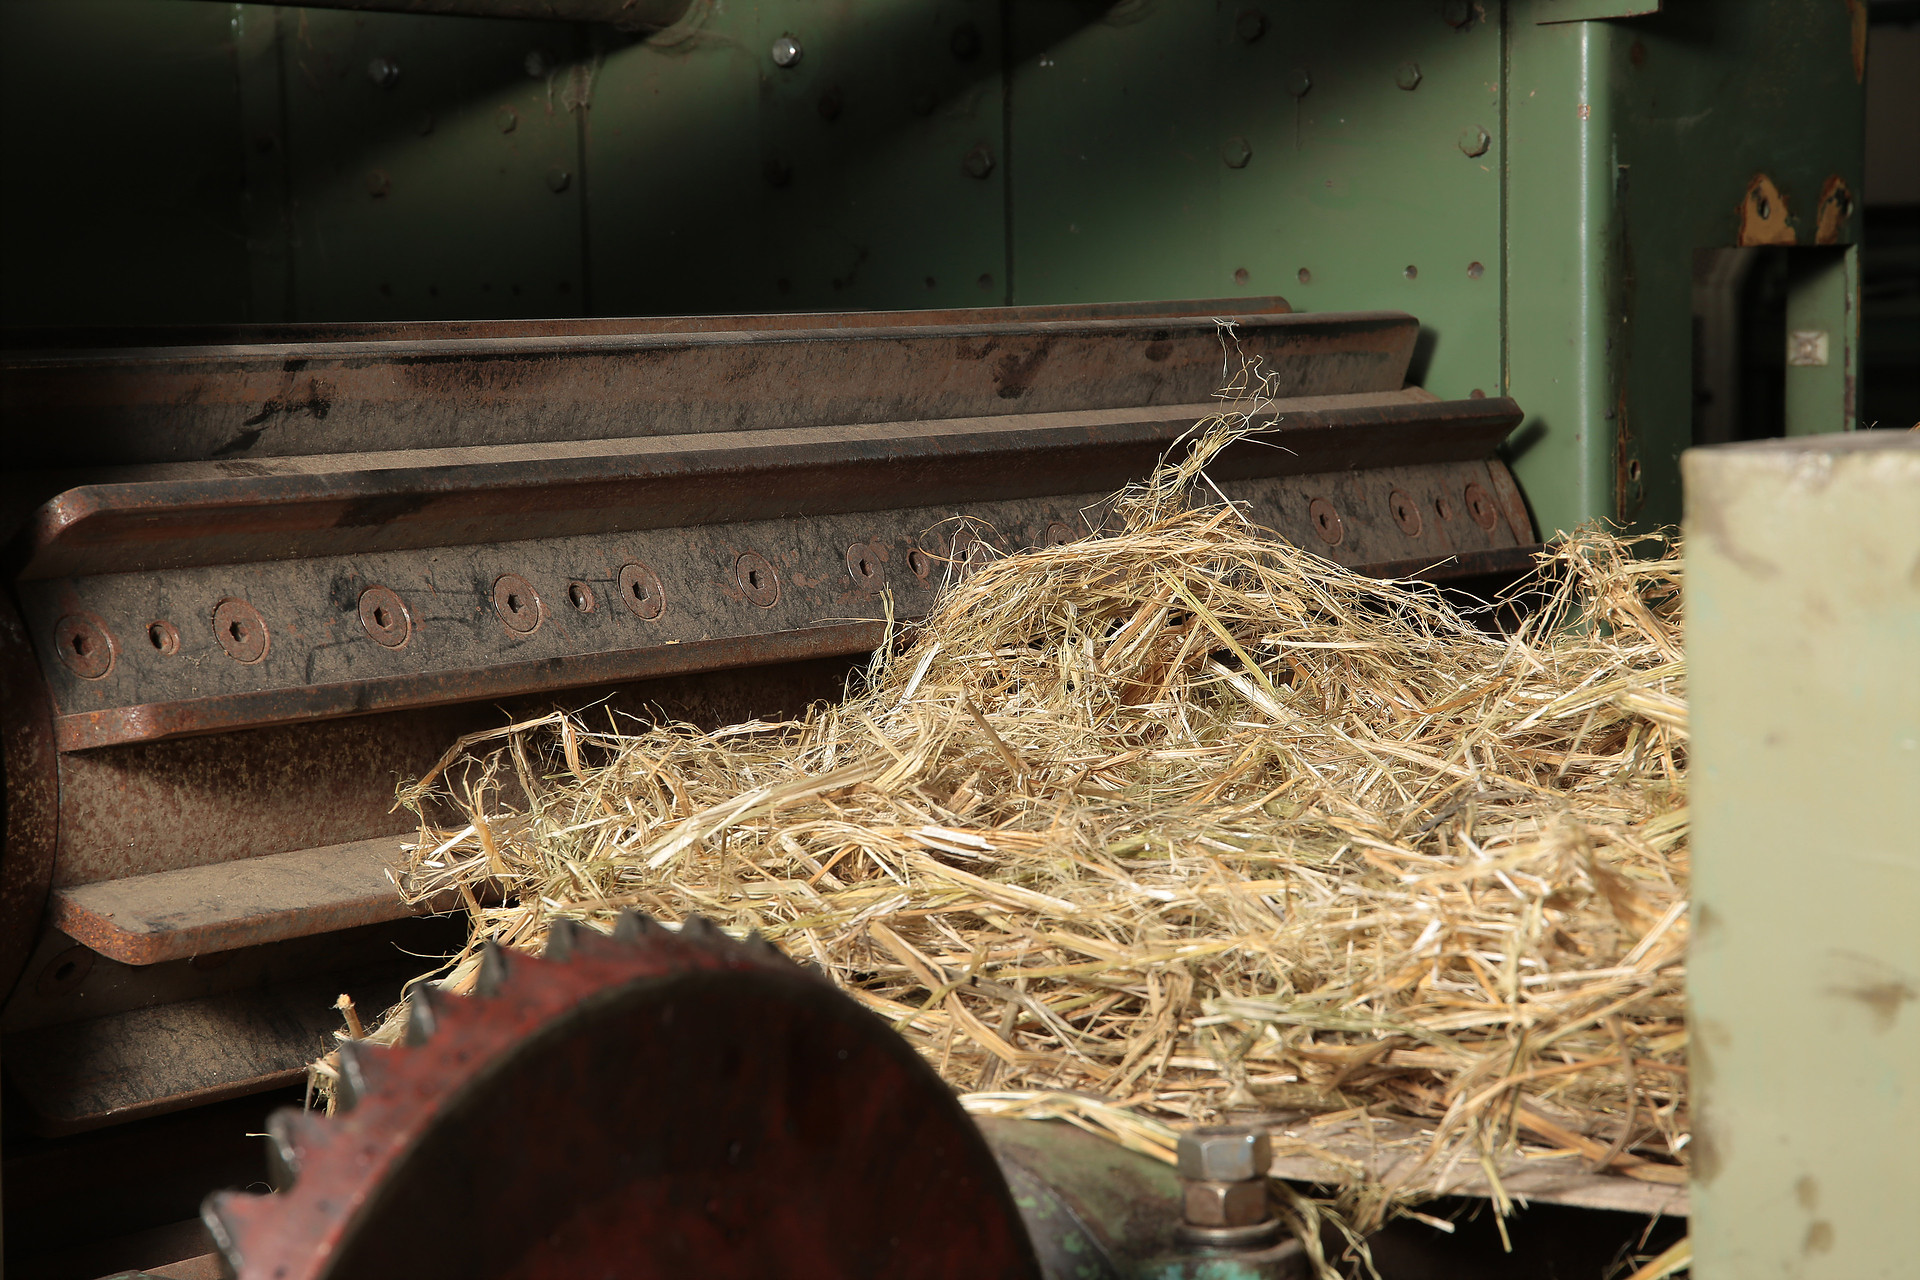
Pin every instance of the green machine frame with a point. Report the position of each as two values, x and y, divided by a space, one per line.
1532 178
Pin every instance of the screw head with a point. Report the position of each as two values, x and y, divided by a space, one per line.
1299 80
1225 1153
239 629
785 52
1236 151
641 592
84 645
517 604
753 573
1474 141
1250 25
384 617
1408 76
384 73
978 162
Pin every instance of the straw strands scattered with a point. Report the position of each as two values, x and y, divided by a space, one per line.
1184 819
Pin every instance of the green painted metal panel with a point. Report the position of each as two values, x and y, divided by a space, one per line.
1317 151
123 163
868 174
1803 629
1633 143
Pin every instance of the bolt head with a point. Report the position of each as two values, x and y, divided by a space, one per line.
1236 151
1224 1204
1298 82
1408 76
384 73
1225 1153
1474 141
978 162
558 179
1456 13
1250 25
785 52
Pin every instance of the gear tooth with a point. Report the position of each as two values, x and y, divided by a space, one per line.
425 1005
563 937
226 1218
360 1068
635 926
288 1135
493 970
701 931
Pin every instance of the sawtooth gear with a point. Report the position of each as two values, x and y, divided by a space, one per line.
658 1103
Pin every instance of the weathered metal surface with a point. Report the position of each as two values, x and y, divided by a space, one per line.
1803 630
821 1141
152 806
624 15
30 805
215 513
248 402
304 653
172 915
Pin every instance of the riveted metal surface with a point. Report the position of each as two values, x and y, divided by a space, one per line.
823 1136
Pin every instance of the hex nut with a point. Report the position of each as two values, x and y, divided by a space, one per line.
1474 141
1408 76
1225 1153
1224 1204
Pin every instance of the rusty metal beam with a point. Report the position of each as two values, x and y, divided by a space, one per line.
242 403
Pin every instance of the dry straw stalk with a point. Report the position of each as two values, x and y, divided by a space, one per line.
1184 819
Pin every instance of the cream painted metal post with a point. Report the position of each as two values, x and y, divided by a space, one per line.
1803 645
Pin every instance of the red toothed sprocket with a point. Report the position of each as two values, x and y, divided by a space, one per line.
651 1104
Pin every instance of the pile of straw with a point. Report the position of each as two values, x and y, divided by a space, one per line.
1184 819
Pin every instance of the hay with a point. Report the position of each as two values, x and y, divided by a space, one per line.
1187 820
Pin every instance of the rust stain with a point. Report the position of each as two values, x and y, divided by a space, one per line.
1763 214
1857 10
1836 207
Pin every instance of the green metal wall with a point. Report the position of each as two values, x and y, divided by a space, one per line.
1529 178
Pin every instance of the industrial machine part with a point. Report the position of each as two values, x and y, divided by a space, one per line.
1223 1187
672 1103
1803 608
274 566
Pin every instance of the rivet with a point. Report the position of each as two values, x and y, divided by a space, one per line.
517 603
163 636
920 563
1456 13
1304 276
785 52
558 179
1326 521
1406 513
580 596
85 645
641 592
1236 151
1412 272
1299 80
1250 25
384 617
240 630
1408 76
863 566
508 119
978 162
384 73
1474 141
1475 271
1480 507
754 575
